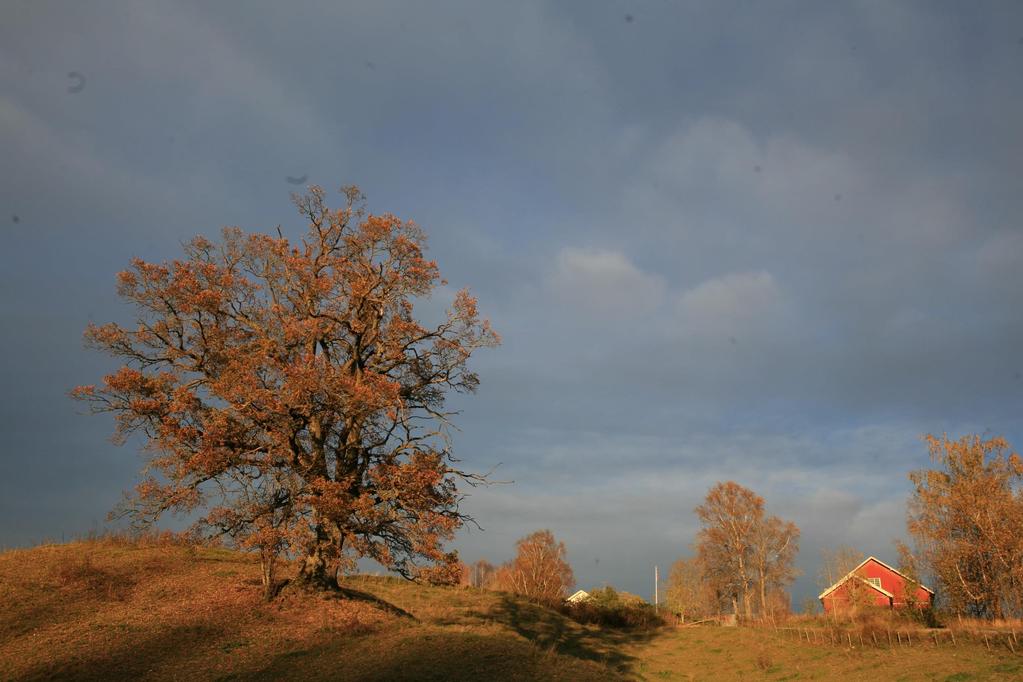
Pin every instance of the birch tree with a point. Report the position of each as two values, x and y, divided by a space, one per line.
966 518
540 569
743 553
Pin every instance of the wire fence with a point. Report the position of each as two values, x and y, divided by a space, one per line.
893 639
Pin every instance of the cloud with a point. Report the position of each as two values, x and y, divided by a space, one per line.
738 303
605 283
767 245
594 490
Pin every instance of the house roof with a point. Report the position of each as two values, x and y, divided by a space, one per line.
851 573
579 595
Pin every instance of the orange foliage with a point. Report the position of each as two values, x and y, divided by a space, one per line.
743 553
539 571
287 391
966 517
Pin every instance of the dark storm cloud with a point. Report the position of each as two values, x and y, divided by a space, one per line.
771 243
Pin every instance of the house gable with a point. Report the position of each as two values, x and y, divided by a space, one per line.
889 584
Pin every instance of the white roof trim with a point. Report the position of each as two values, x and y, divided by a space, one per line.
861 565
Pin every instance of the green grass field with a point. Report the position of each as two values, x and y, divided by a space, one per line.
115 610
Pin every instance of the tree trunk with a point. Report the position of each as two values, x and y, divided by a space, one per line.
268 569
315 571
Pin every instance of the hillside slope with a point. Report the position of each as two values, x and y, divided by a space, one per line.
114 610
109 609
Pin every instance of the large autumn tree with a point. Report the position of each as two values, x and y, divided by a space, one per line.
966 518
288 395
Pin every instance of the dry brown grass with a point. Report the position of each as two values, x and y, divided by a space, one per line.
163 609
742 653
1002 624
117 608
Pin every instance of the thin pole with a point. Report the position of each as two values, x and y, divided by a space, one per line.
656 599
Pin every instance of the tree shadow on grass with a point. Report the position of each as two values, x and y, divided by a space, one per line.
132 658
386 606
425 654
549 629
340 592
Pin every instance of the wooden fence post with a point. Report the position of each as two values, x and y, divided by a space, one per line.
986 642
889 633
952 632
873 636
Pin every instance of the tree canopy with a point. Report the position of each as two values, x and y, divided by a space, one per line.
742 552
288 392
966 518
540 569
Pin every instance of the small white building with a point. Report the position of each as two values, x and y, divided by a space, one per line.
580 596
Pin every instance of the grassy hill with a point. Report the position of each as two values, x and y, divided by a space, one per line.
109 609
103 609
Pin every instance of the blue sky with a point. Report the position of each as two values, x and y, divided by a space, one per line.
769 242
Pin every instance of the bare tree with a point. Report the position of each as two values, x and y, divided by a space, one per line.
690 594
775 545
836 562
481 574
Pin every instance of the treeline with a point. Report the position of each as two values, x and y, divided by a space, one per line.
745 560
965 518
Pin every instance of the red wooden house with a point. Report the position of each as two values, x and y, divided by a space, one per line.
873 583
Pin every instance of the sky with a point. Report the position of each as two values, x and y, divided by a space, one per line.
767 242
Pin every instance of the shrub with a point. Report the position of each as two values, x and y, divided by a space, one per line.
927 617
607 608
